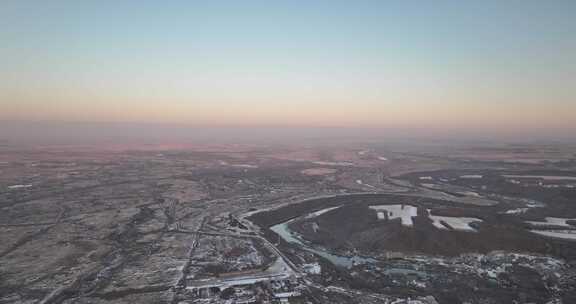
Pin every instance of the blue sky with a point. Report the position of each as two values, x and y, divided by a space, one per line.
261 62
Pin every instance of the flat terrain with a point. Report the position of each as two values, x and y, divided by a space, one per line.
374 223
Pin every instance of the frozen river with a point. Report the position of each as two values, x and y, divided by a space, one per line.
284 232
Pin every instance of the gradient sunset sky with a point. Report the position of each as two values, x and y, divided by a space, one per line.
454 64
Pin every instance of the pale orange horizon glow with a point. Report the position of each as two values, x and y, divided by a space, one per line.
377 65
338 114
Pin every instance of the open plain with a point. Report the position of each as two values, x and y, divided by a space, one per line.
274 224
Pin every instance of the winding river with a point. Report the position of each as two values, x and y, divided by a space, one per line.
284 232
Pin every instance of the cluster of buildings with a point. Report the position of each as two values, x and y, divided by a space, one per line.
267 291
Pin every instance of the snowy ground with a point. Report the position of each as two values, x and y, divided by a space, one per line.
13 187
552 221
245 166
325 163
407 212
318 171
470 193
562 234
544 177
456 223
320 212
277 271
516 211
404 212
361 183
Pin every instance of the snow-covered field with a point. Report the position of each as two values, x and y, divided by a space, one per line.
320 212
318 171
404 212
516 211
361 183
407 212
277 271
562 234
456 223
544 177
434 186
535 204
325 163
470 193
14 187
471 176
552 221
225 163
245 166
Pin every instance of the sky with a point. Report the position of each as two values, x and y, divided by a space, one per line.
459 65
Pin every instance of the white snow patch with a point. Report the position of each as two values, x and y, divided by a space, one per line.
312 268
279 270
456 223
544 177
382 158
403 212
315 227
562 234
534 204
361 183
426 177
470 193
245 166
471 176
13 187
320 212
325 163
516 211
430 185
552 221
